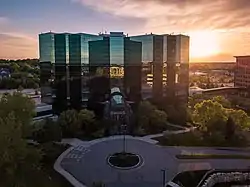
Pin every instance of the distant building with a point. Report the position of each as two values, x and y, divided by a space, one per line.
4 73
242 71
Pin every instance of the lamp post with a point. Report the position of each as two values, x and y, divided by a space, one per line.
163 177
124 127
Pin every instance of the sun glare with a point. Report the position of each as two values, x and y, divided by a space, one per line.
204 43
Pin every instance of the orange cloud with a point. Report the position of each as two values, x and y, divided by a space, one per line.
229 18
16 45
183 15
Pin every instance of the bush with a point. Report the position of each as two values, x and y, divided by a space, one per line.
197 138
51 152
47 131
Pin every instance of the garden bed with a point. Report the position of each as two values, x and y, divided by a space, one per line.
124 160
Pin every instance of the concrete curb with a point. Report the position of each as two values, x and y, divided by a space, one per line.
138 165
65 174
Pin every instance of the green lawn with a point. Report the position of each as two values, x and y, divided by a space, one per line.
194 138
212 156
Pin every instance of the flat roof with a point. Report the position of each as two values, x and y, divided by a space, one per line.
43 107
241 56
221 88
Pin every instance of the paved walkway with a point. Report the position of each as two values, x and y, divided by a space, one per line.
149 138
86 161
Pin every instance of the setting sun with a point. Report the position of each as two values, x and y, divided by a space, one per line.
203 44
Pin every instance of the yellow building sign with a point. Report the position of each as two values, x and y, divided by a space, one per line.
116 72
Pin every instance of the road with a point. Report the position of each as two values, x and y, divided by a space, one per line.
88 163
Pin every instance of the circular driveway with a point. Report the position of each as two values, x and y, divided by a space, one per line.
88 164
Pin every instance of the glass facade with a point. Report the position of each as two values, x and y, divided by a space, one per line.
85 39
133 69
84 68
116 51
74 51
165 48
75 71
147 46
47 47
67 47
152 58
60 49
117 60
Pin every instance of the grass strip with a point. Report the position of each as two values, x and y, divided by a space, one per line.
212 156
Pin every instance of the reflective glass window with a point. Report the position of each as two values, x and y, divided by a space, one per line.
116 50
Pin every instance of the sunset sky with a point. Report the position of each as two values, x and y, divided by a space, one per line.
218 29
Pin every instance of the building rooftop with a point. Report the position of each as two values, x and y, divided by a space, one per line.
242 56
221 88
43 107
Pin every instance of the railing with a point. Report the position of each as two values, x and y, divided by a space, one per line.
215 176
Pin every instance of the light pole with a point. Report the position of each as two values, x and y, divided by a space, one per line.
124 132
163 177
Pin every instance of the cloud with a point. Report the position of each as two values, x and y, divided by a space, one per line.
3 20
16 45
183 15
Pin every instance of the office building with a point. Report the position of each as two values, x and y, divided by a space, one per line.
242 72
165 61
64 64
79 70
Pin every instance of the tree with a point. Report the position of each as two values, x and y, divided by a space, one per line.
192 84
150 118
47 131
240 118
230 129
177 114
223 101
20 88
22 108
208 115
69 122
215 122
87 121
18 161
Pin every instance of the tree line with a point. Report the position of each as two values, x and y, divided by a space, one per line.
23 74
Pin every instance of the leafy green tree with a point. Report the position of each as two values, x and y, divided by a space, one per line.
230 129
240 118
150 118
22 108
219 125
20 88
24 73
87 121
222 100
177 114
70 124
47 131
207 114
18 161
143 113
192 84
